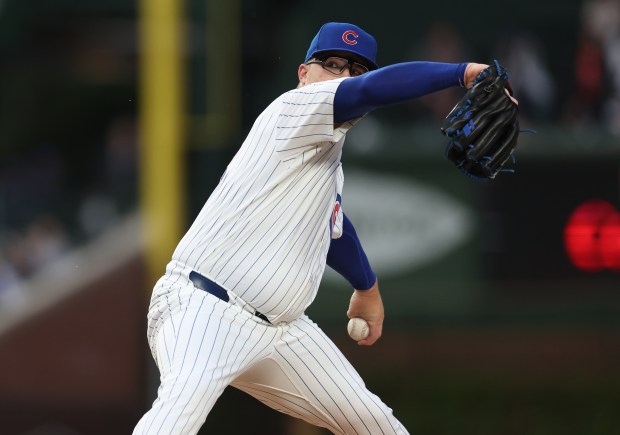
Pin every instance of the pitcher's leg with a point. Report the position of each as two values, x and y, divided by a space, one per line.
199 351
269 383
309 378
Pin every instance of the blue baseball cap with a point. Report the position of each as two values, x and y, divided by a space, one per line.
346 38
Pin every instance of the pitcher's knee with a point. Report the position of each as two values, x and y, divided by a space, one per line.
171 416
182 407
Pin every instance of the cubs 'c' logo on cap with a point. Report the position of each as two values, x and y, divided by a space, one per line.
349 37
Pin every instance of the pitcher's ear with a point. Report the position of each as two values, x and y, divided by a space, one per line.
302 73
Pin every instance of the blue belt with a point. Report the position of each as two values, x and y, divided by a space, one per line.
204 283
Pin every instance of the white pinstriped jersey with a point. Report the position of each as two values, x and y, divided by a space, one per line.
264 232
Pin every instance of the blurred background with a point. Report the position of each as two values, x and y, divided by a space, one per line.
502 299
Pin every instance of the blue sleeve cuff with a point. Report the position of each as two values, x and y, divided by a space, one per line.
347 257
393 84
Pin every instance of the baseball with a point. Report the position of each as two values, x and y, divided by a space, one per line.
358 328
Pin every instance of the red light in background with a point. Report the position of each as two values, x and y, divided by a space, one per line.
610 242
592 236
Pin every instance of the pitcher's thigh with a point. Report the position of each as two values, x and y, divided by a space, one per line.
198 355
311 379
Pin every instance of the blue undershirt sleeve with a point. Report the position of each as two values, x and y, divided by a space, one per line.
347 257
393 84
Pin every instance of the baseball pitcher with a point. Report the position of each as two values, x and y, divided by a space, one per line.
229 309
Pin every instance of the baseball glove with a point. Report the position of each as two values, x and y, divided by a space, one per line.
483 127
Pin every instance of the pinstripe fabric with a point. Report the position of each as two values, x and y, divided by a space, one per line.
202 344
263 235
308 377
265 229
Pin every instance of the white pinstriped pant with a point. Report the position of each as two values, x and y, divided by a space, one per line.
205 344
